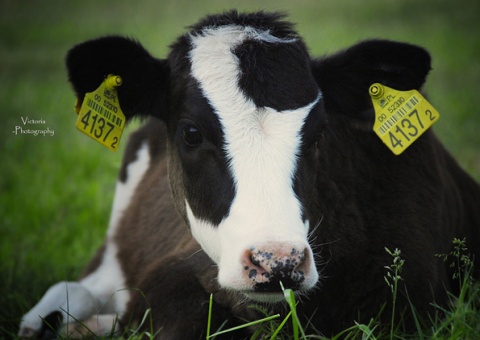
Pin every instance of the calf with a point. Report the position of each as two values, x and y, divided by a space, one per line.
267 157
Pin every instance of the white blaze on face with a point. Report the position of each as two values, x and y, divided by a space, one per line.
262 145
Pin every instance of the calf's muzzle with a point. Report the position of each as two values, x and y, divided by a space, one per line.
266 267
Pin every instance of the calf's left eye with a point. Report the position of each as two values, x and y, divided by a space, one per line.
192 135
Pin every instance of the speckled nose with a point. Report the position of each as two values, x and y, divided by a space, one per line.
266 268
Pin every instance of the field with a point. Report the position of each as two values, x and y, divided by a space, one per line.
57 188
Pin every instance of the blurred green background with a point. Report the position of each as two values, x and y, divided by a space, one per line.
56 191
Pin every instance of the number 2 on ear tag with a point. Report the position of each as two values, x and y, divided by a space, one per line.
100 116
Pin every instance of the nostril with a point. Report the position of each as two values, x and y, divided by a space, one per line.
254 261
258 268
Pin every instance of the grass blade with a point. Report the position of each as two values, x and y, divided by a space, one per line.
253 323
209 321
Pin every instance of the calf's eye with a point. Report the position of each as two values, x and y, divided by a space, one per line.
191 135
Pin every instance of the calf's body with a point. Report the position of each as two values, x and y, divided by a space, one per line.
268 157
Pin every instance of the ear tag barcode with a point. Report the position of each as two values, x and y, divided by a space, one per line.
401 117
100 116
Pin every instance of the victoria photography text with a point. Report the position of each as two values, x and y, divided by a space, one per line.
34 127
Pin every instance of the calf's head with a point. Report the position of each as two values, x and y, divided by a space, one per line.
244 105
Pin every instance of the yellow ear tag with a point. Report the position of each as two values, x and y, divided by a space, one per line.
401 117
100 115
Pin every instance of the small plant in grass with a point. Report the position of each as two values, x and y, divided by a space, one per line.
392 279
461 261
461 320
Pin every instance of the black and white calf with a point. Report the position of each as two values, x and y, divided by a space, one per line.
276 173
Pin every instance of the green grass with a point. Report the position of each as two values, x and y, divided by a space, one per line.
56 191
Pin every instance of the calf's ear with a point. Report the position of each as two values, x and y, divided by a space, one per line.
144 78
345 77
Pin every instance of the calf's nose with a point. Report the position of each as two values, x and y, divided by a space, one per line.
266 268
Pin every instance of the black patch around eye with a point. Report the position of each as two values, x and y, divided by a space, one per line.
209 185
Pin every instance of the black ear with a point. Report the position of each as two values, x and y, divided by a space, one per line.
144 78
345 77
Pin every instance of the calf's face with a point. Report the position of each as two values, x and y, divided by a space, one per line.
236 144
243 103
